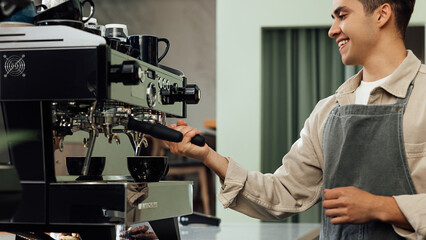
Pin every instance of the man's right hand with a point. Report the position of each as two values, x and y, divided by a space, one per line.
208 156
185 147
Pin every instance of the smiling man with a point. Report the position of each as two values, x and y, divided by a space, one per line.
362 150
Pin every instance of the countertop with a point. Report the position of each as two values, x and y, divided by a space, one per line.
252 231
234 231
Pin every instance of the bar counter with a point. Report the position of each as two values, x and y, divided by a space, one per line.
252 231
234 231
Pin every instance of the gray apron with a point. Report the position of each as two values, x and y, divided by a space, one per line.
363 146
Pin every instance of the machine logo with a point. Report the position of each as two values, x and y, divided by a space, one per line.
14 66
148 205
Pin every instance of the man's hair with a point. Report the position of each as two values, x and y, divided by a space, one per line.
402 9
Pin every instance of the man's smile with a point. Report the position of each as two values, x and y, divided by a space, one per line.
342 43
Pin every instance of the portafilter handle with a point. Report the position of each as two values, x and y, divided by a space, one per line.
198 140
161 132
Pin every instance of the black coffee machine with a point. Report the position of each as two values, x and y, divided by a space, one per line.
56 80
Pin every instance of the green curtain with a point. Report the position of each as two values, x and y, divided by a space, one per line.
299 67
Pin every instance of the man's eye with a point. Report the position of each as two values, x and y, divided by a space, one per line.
342 16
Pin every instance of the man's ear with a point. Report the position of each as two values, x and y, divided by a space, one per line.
383 14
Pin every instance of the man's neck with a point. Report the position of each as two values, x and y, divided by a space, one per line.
384 61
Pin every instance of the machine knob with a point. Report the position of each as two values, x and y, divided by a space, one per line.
129 73
191 94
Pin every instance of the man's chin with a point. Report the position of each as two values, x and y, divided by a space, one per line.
349 61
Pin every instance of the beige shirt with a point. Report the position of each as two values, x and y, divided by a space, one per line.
297 184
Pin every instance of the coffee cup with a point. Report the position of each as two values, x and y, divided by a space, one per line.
66 10
113 43
124 48
116 30
145 47
75 165
147 168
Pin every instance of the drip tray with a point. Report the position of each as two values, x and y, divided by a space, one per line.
60 179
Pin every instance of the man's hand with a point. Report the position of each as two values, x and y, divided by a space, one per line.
350 205
186 148
208 156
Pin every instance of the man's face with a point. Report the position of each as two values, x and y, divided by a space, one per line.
353 30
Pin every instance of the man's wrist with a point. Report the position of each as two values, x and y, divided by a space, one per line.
388 211
381 209
207 157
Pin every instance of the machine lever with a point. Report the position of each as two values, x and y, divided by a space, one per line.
156 130
162 132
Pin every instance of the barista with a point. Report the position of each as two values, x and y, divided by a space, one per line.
362 151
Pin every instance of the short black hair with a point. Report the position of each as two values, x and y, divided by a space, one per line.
403 10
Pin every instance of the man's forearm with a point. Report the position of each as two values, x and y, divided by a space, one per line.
216 163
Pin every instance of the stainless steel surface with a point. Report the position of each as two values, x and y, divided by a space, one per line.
118 202
252 231
106 179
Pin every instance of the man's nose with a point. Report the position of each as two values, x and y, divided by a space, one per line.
334 30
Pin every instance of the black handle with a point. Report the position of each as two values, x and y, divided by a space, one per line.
92 9
162 132
198 140
156 130
165 50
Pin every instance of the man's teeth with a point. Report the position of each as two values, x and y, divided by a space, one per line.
341 43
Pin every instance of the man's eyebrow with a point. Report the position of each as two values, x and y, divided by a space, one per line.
337 11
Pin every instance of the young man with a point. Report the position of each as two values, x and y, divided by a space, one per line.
362 151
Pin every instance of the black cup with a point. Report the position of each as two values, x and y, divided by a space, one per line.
75 165
145 47
70 10
124 48
147 168
114 43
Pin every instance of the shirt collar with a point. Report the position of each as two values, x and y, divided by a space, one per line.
397 84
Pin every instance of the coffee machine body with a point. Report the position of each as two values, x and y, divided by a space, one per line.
52 85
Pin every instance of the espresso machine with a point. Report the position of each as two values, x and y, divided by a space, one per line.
57 80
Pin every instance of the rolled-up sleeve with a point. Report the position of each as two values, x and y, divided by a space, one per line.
236 176
414 209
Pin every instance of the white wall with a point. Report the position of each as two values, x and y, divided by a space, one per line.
239 24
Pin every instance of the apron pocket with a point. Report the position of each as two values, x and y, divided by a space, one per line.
415 150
